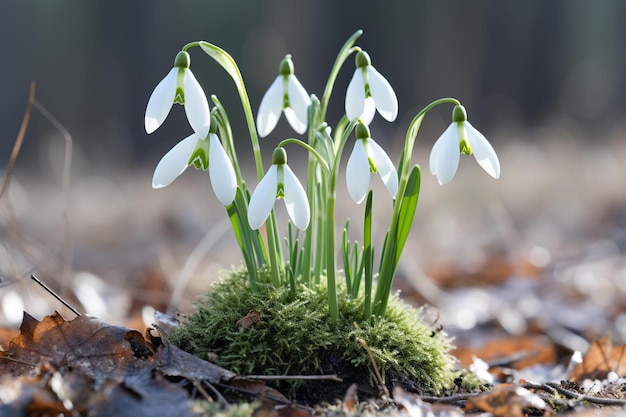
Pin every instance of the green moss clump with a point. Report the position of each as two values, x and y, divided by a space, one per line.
271 333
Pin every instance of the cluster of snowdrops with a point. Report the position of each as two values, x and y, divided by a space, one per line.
311 247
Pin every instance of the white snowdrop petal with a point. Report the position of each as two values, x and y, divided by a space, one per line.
221 172
444 157
483 151
296 202
358 173
294 120
355 95
196 105
299 101
369 110
263 198
434 153
385 167
383 94
161 101
174 162
270 108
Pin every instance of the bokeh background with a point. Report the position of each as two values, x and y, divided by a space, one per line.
544 81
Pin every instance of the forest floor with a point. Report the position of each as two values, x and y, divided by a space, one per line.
527 274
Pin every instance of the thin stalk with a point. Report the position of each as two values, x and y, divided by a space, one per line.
344 53
390 255
368 255
228 63
330 227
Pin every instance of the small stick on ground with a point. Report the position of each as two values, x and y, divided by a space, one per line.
67 166
334 378
55 295
381 385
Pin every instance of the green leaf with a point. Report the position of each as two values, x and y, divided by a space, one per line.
244 236
368 255
226 61
345 255
407 210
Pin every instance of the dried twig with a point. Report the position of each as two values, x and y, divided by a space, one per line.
582 397
334 378
55 295
18 141
381 384
67 165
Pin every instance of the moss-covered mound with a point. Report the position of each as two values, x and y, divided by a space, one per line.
271 333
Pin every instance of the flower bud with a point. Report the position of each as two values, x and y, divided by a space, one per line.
286 66
182 60
279 156
459 114
362 131
362 59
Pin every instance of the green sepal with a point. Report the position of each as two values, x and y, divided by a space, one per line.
464 146
200 155
179 96
368 152
280 186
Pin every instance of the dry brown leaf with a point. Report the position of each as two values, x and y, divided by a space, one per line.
516 352
508 401
100 350
601 358
58 367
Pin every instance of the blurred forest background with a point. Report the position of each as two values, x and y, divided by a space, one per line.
545 81
95 62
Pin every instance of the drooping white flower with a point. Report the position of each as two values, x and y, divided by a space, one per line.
287 95
279 182
461 137
369 91
179 86
202 153
366 157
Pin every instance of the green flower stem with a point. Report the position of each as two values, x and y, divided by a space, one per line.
330 226
368 255
308 148
320 230
393 247
242 230
344 53
230 66
227 137
315 234
307 244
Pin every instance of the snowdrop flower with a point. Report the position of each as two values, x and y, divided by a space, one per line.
368 91
179 86
461 137
279 182
287 95
202 153
367 156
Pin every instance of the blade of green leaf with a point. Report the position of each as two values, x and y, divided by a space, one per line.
407 211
